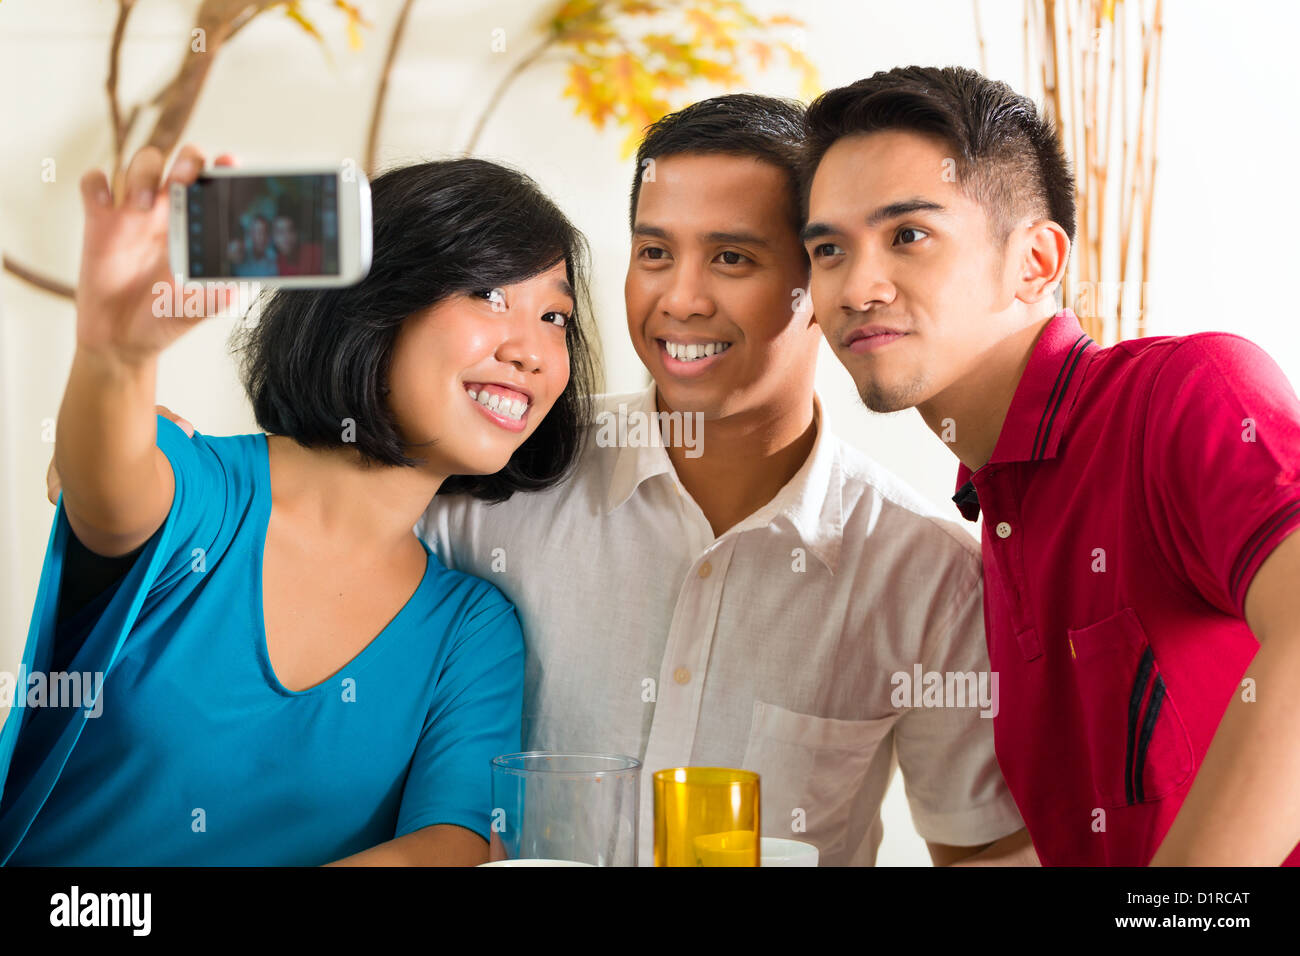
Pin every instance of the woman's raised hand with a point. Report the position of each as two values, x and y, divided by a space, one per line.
129 304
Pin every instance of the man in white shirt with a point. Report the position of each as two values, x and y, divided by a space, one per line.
743 589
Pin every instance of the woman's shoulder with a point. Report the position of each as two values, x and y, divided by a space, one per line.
462 602
219 498
202 455
460 586
245 451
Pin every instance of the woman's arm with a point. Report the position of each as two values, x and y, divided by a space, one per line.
443 844
117 485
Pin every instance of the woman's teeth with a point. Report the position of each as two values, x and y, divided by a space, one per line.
693 353
502 405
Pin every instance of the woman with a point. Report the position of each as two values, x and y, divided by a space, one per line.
289 675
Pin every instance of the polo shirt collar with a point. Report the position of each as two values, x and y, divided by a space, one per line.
1039 414
811 501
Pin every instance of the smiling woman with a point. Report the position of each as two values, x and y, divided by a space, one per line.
289 675
458 239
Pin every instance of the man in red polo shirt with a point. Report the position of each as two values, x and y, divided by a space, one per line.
1139 501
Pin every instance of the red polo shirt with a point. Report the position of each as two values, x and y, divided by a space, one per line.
1132 495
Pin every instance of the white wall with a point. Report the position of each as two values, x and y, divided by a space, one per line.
1223 236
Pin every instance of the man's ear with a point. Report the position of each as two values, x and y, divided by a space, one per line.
1046 253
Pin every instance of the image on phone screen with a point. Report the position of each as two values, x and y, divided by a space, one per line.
260 226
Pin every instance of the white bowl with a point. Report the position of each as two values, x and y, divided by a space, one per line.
778 852
535 863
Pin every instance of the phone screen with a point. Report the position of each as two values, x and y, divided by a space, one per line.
257 226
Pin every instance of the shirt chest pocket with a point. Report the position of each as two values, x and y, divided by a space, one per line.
1138 747
812 770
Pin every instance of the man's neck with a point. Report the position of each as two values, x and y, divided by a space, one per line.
970 413
744 460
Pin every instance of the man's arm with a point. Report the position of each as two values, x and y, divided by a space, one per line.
1014 849
442 844
1243 809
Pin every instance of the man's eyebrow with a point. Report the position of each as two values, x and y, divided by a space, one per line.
737 238
815 230
903 208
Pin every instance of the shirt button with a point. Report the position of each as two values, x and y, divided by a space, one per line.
1003 529
706 569
681 675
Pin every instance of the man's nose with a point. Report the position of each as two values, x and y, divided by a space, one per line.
687 295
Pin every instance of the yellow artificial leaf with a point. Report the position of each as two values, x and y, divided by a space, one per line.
622 73
294 13
638 7
667 80
706 26
355 21
809 83
664 45
573 10
631 141
718 72
579 83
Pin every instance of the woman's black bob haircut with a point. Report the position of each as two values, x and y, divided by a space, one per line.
317 357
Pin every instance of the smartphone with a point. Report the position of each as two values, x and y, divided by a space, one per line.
293 228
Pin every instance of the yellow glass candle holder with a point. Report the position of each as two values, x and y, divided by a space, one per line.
706 816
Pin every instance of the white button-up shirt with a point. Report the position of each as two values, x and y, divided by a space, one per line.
794 644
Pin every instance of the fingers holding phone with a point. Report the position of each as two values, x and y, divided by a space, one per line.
126 283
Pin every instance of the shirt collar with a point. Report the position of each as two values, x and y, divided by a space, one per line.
633 463
811 501
1040 409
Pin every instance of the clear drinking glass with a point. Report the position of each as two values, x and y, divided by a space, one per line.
565 806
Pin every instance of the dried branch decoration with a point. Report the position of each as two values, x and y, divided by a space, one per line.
1081 47
216 22
622 65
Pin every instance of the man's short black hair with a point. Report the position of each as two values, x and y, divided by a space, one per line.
317 357
737 124
1008 157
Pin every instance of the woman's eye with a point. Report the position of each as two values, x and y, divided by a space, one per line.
899 238
563 317
496 296
735 259
825 249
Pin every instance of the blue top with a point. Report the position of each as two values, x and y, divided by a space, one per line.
193 753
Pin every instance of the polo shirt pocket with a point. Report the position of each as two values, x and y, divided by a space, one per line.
1138 747
812 771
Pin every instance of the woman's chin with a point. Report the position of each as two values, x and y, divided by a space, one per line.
480 464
